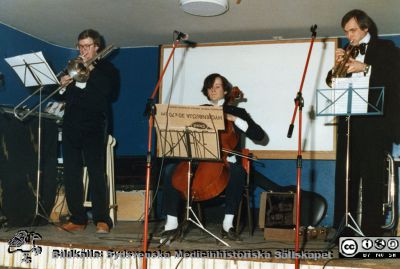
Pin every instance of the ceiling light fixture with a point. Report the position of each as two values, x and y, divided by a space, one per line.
206 8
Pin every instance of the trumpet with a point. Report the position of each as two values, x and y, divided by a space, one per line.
76 68
340 70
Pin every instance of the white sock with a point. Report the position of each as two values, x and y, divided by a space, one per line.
228 222
172 223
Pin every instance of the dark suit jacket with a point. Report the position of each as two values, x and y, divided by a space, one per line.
88 109
254 131
384 59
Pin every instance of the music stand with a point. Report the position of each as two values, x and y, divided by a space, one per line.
349 102
189 133
33 70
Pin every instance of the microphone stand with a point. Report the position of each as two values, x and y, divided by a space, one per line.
299 104
149 111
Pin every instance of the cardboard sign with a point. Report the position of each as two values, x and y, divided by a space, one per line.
188 131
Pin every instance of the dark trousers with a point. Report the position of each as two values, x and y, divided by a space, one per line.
368 164
369 140
81 149
233 191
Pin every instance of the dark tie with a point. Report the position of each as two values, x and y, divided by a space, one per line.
363 48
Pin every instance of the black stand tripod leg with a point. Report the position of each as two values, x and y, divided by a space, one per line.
338 232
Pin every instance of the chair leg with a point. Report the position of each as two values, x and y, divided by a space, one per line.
249 213
239 215
199 212
246 194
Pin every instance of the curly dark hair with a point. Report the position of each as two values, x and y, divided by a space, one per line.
209 82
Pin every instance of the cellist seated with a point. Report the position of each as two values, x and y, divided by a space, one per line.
217 89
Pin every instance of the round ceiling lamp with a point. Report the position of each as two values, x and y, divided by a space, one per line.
206 8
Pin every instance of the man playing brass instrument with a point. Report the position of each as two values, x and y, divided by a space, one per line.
371 136
361 32
85 133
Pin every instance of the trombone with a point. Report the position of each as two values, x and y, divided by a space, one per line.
389 205
77 69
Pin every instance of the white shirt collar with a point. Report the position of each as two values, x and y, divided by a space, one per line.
366 39
219 103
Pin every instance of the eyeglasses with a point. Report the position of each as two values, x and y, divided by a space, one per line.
81 47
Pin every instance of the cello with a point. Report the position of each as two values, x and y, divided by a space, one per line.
210 178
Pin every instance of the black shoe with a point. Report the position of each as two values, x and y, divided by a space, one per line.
167 236
230 235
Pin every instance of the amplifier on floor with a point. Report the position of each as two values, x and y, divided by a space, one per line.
131 205
277 217
277 210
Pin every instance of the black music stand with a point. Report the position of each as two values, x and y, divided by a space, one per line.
349 102
33 70
185 137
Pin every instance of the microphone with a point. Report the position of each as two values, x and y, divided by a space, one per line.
184 38
181 36
313 30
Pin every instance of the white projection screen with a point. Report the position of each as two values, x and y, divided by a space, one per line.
269 73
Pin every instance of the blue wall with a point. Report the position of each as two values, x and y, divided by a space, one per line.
15 43
139 72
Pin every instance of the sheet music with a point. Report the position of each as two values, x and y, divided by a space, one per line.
359 95
37 65
188 131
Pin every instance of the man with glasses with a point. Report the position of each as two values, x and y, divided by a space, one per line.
85 134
